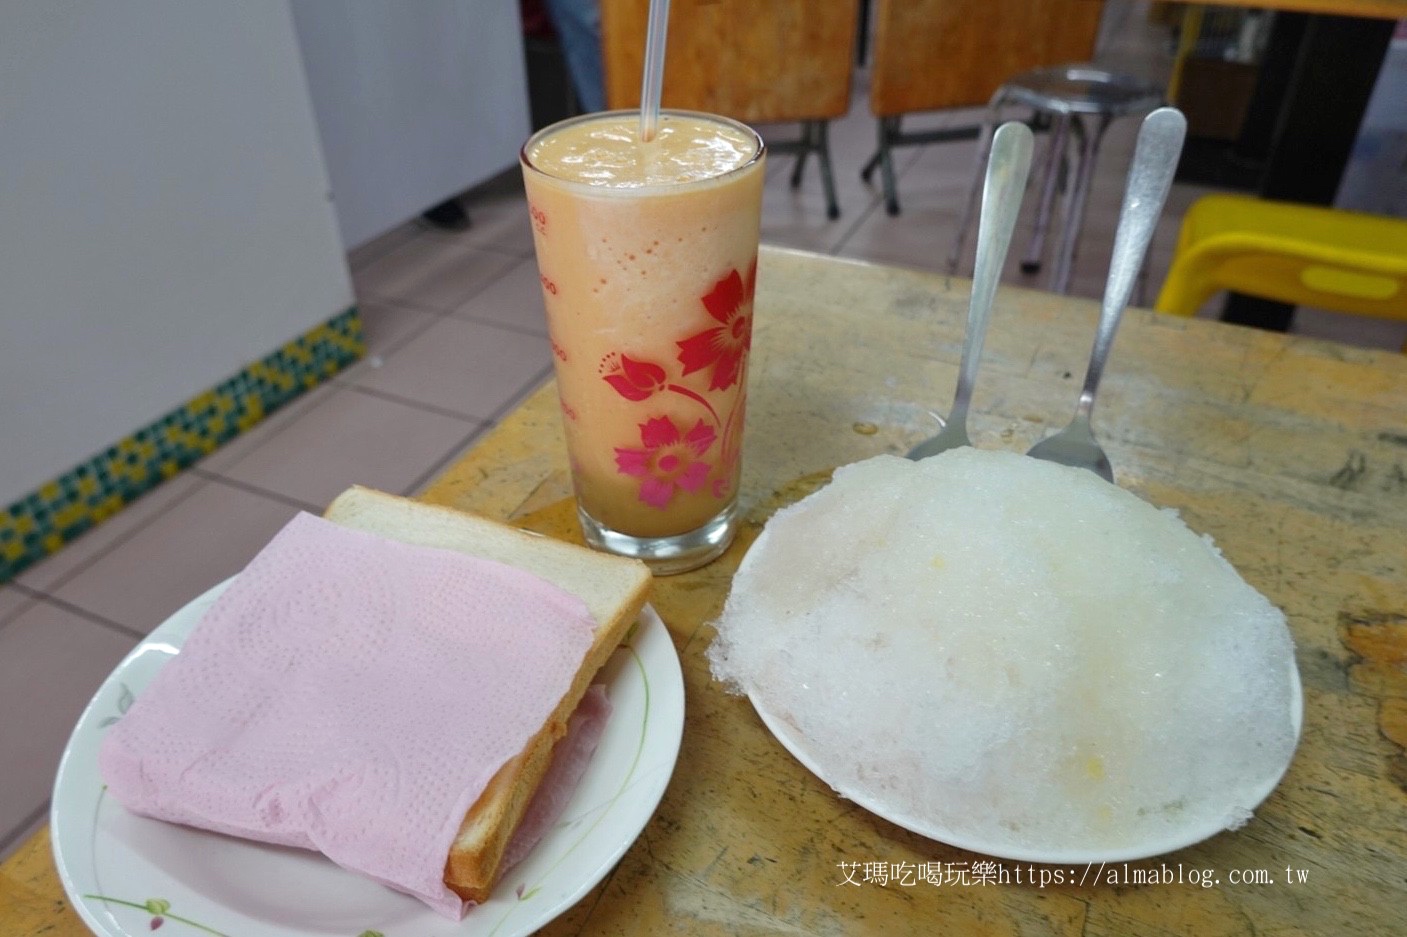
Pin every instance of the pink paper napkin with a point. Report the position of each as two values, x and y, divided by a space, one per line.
353 695
569 762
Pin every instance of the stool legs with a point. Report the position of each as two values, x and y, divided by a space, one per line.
823 156
888 129
1050 171
1089 140
815 138
807 146
984 150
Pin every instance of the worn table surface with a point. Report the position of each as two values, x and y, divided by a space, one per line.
1291 453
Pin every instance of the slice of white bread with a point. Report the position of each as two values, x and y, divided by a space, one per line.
614 590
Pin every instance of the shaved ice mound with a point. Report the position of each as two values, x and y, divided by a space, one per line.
1013 656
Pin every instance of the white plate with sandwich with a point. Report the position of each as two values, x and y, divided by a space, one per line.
128 874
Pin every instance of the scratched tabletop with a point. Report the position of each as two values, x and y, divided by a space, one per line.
1291 453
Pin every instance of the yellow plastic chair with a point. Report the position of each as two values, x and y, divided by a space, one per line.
1299 254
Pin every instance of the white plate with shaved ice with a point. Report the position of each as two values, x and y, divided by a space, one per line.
1013 657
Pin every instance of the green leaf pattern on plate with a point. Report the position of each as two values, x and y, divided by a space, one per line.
124 702
160 910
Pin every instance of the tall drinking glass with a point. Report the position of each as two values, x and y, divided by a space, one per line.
647 255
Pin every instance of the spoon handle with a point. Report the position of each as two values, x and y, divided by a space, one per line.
1002 189
1154 163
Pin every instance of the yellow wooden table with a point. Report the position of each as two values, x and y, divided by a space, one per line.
1291 453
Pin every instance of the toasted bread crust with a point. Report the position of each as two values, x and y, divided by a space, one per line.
473 864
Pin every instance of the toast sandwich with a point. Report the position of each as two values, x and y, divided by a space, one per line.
614 590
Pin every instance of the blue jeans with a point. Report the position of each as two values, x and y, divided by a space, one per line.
578 26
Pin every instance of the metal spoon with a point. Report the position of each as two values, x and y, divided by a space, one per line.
1007 168
1154 162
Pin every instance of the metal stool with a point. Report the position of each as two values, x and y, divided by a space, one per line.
1069 95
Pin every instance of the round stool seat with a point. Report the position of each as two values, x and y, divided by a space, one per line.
1080 100
1080 89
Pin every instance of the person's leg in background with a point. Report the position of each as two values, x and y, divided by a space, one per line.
578 26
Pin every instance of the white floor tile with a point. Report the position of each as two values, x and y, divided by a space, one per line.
513 300
206 538
51 662
48 573
12 600
433 271
498 216
385 325
269 427
467 368
798 219
379 246
353 438
21 834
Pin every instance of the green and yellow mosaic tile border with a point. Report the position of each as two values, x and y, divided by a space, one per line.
43 521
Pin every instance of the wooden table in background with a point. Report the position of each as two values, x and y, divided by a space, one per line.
1291 453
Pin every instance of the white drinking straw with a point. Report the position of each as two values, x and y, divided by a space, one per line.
652 76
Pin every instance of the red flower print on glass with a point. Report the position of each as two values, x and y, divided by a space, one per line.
723 345
669 461
633 380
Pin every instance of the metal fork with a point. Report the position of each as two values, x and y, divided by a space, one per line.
1154 162
1002 189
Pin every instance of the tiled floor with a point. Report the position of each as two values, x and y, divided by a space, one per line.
453 322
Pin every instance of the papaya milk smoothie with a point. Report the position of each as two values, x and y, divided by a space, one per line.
647 254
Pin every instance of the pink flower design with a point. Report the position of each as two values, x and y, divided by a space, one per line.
723 345
670 460
634 380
